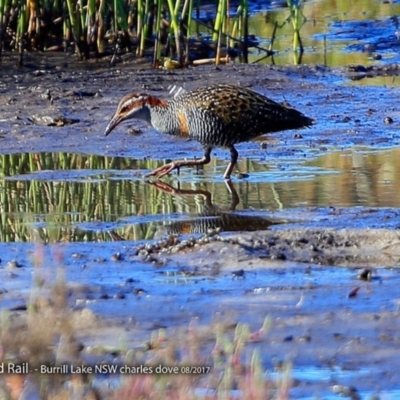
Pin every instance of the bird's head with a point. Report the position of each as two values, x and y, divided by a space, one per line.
134 105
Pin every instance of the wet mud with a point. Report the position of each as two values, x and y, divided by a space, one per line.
327 277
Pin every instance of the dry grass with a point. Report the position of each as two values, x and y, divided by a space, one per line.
48 333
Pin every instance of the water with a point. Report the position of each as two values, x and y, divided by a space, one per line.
74 202
70 197
335 33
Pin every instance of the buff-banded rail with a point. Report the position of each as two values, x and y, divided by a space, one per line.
215 116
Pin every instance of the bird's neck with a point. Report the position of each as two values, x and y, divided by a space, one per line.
150 106
162 116
155 102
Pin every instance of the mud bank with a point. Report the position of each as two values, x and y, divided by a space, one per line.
327 278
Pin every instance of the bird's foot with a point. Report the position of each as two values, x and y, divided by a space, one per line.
163 170
164 187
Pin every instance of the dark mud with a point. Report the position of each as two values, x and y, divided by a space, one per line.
53 95
308 274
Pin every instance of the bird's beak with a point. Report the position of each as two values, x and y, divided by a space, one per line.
115 120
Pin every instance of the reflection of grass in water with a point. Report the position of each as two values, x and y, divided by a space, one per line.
218 350
54 210
51 209
62 204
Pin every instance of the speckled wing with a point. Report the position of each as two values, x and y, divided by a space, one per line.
224 115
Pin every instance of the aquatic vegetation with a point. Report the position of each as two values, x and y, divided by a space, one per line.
112 26
297 19
169 28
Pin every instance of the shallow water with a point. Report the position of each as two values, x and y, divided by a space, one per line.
71 201
130 290
335 33
71 197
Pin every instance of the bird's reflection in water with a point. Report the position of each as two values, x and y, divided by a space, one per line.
212 217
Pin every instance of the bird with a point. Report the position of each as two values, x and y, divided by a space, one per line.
212 218
219 115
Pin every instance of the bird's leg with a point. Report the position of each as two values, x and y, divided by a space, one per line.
167 168
235 197
166 188
234 157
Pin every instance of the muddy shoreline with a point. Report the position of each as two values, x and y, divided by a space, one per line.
299 273
39 104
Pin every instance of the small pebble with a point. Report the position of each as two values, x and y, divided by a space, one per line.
338 336
133 131
13 264
116 257
240 273
365 274
346 391
279 256
76 255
